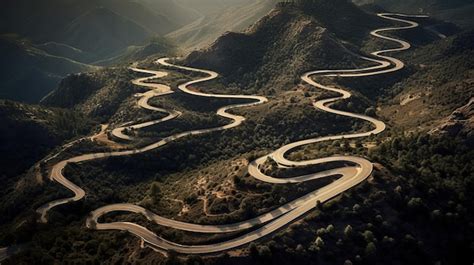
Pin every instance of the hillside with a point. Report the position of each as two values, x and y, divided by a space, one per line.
103 32
66 51
118 24
176 11
96 94
29 132
434 90
157 22
407 202
456 11
156 47
43 24
27 73
217 17
272 54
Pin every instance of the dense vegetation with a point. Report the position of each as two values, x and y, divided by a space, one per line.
417 208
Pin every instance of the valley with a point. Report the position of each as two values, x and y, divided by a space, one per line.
304 138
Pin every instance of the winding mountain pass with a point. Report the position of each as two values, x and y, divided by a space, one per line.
349 176
156 91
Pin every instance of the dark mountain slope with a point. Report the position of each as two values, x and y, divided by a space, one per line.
27 73
39 20
103 32
155 47
343 18
103 22
273 53
66 51
97 94
28 132
143 15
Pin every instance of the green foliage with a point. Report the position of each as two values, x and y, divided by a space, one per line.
370 249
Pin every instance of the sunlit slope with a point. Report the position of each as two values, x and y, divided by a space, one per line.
103 32
217 17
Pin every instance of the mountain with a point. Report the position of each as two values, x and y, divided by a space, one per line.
28 73
103 32
50 46
216 17
29 132
142 14
302 38
414 206
176 11
96 94
440 82
65 51
456 11
156 47
117 24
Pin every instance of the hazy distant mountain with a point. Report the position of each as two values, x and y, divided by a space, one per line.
178 12
66 51
28 73
216 17
158 22
100 27
155 47
62 33
103 32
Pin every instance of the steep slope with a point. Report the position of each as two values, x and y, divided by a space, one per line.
441 81
456 11
37 20
156 47
28 132
96 94
342 17
66 51
40 20
119 23
103 32
177 12
287 42
27 73
143 15
459 123
217 17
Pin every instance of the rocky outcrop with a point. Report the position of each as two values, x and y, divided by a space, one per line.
459 123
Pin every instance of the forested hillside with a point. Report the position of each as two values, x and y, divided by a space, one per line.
379 164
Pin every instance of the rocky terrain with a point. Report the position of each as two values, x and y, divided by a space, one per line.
416 207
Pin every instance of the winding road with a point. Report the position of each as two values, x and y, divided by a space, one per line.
156 90
265 224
